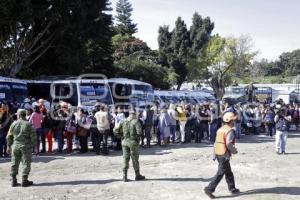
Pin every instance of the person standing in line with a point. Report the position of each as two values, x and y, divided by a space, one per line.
282 120
213 124
173 117
5 121
36 119
148 123
182 121
163 126
224 148
21 138
130 131
268 118
103 125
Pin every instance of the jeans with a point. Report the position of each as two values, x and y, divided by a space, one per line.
281 139
104 134
269 129
224 168
148 134
213 132
39 133
60 140
182 130
173 132
238 126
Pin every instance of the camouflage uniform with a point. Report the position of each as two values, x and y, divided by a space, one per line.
130 131
21 136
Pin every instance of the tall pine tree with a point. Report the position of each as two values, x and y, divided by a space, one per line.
181 46
124 22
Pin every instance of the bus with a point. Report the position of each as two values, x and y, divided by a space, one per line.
84 93
127 92
13 90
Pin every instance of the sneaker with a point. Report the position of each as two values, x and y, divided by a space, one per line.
235 191
209 194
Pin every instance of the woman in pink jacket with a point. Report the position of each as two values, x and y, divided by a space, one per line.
36 119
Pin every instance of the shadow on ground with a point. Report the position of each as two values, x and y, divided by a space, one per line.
275 190
79 182
181 179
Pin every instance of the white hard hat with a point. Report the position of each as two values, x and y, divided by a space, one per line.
229 116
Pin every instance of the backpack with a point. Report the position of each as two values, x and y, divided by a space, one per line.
282 125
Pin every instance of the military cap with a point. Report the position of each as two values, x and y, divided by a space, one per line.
21 112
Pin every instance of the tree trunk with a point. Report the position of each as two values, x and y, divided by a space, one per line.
14 69
179 84
217 84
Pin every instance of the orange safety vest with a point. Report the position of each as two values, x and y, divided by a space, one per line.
220 144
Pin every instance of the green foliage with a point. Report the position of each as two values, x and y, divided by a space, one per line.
290 62
55 37
134 59
179 48
132 67
224 59
125 26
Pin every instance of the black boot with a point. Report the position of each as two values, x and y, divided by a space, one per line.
125 179
26 182
138 176
14 182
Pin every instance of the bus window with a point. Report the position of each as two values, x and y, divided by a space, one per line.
63 92
90 93
19 91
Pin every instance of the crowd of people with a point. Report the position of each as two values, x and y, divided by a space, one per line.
72 129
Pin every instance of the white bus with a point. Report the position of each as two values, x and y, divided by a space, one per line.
12 90
131 92
84 93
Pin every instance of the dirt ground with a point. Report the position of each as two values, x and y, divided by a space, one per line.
178 172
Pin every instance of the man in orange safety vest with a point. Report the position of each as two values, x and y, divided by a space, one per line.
223 149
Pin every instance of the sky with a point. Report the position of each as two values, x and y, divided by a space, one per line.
273 25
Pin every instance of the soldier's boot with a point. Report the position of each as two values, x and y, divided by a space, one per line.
26 182
138 176
14 182
125 179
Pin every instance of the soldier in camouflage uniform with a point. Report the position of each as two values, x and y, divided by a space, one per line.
21 139
130 131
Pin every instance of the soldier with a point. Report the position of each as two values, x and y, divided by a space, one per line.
20 139
223 149
130 131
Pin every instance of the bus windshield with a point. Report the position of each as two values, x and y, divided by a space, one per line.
5 92
232 90
90 93
19 91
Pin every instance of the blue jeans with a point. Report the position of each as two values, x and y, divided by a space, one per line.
213 132
60 140
39 133
238 126
173 132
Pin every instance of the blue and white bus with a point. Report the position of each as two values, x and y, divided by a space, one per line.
131 92
84 93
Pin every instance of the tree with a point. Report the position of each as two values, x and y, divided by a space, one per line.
181 46
54 37
134 59
223 58
290 62
124 22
